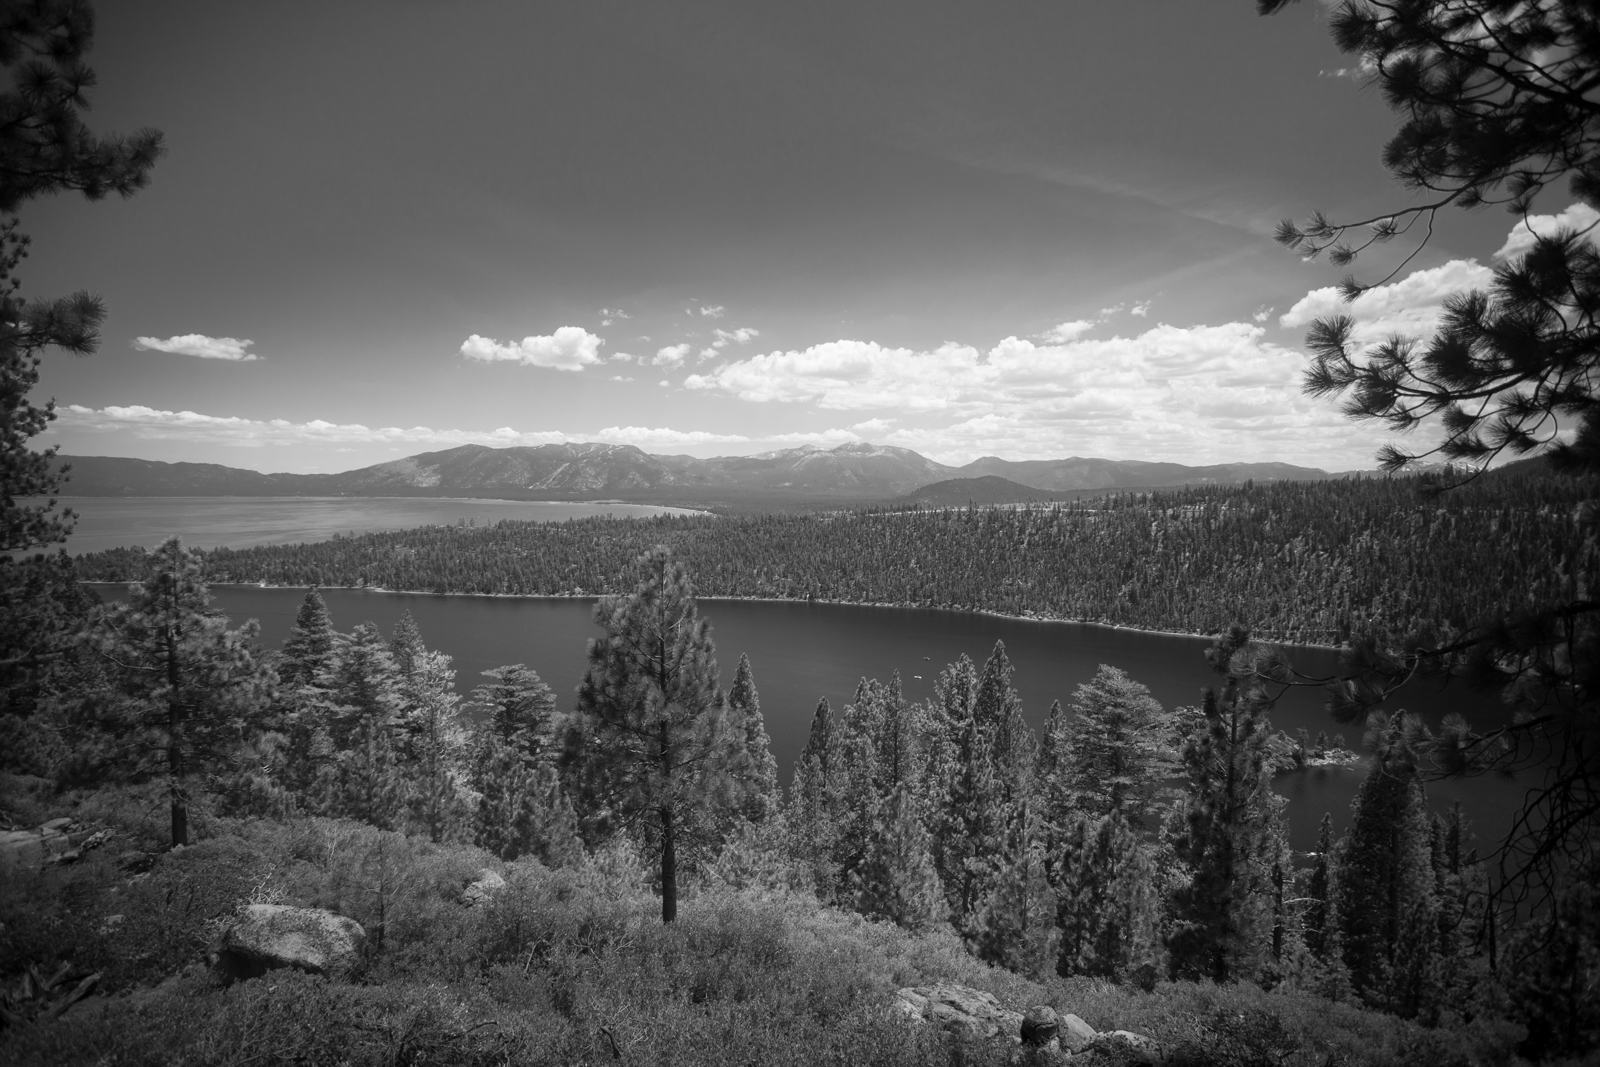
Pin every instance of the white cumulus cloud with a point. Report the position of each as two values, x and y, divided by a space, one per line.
199 346
570 348
149 423
1411 307
1071 331
713 311
671 355
1578 217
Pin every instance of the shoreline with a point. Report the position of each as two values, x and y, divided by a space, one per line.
774 600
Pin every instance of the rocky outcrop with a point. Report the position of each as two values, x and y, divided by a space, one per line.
974 1014
959 1010
265 937
62 840
487 885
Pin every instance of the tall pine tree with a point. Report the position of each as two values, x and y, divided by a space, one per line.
1223 914
744 706
651 742
188 691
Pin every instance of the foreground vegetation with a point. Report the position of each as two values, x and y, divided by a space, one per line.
1309 562
555 966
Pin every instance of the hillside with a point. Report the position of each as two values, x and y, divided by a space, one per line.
987 489
849 473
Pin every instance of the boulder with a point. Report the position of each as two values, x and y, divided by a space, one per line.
265 937
960 1010
1075 1033
1040 1025
1144 1049
488 884
34 848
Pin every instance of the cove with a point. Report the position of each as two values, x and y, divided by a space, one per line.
802 652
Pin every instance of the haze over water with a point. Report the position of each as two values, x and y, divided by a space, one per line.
239 522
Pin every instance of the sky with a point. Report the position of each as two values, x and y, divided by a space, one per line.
1024 229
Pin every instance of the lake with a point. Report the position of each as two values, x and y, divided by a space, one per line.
801 652
242 521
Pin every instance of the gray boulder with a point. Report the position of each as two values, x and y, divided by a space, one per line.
265 937
1076 1034
488 884
960 1010
1040 1025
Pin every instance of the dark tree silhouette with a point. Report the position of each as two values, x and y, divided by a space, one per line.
44 148
1498 100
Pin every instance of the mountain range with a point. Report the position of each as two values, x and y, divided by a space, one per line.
850 472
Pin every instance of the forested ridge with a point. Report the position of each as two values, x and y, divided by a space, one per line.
1308 562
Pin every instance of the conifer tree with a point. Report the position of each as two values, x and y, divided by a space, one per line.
1015 927
357 712
896 879
309 648
1223 913
187 690
520 710
651 738
1053 786
968 815
856 799
522 809
998 711
1112 747
813 802
1106 907
1320 919
1385 884
744 705
45 148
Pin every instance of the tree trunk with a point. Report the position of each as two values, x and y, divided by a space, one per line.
669 867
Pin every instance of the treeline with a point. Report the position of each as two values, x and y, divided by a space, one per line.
1307 562
1070 852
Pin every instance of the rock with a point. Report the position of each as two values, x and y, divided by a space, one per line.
1075 1033
488 884
1040 1025
268 936
34 848
959 1010
109 924
1144 1049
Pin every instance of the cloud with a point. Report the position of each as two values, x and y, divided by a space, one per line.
623 357
1411 307
1191 394
154 424
1071 331
569 348
672 355
199 346
644 436
1140 310
1521 238
145 423
713 311
1262 314
742 335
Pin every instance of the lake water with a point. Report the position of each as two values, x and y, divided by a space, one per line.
240 521
801 652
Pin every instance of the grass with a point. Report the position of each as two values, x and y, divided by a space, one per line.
566 966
